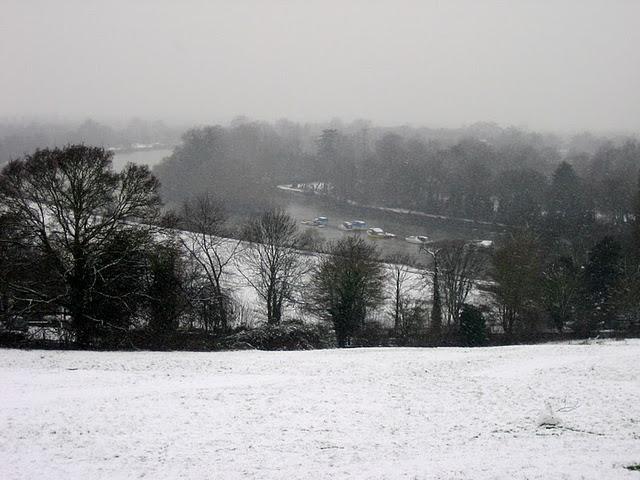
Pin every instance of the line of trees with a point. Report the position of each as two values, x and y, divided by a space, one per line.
485 173
91 251
567 287
482 172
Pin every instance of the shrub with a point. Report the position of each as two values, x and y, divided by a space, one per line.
372 334
473 329
288 335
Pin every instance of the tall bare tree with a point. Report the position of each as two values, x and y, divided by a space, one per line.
272 264
400 286
561 285
458 264
205 240
435 320
74 203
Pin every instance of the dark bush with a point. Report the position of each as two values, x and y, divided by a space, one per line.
373 334
473 329
9 338
289 335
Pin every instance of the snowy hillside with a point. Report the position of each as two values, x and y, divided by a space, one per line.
354 414
416 286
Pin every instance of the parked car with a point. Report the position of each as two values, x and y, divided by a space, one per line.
379 233
417 239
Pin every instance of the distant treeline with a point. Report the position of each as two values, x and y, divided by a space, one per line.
483 172
18 139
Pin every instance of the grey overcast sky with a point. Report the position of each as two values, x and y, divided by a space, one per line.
561 64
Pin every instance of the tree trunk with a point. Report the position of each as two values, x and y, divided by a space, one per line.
396 323
77 302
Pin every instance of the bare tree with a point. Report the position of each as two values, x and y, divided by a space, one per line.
435 323
458 264
561 283
272 265
73 202
400 287
204 221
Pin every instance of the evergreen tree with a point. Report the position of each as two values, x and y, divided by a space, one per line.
473 329
347 284
119 291
602 274
516 273
164 293
569 208
636 226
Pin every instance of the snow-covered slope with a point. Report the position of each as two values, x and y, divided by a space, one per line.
354 414
416 286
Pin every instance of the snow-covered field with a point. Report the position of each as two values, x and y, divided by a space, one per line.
362 413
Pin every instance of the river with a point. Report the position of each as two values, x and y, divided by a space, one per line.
306 207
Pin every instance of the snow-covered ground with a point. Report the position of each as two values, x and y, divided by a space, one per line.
363 413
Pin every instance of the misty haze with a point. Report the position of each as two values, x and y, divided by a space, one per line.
302 239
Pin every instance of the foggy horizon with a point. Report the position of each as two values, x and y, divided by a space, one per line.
566 67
